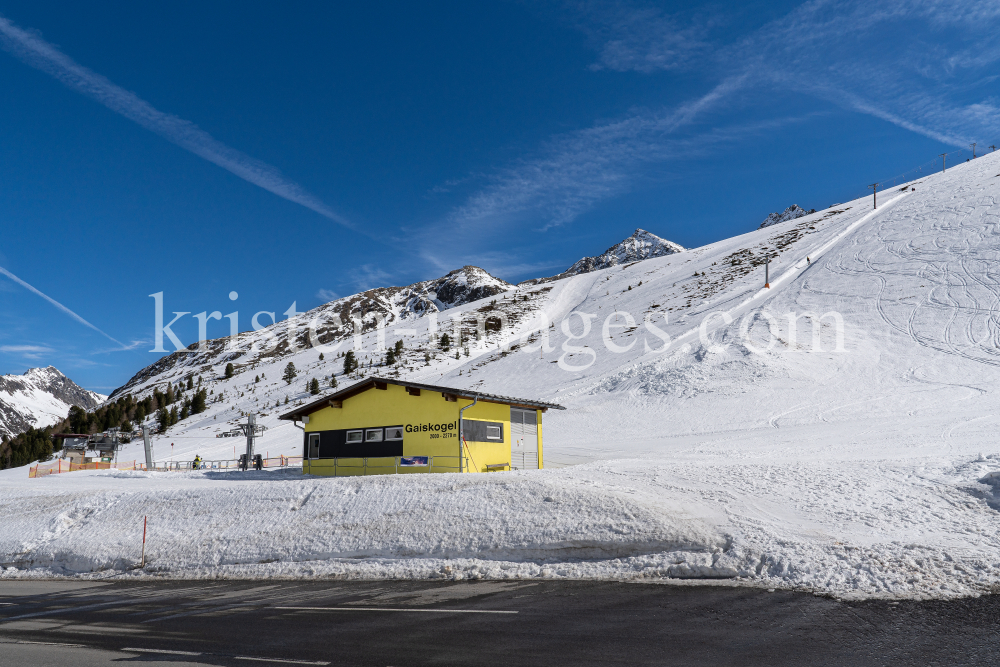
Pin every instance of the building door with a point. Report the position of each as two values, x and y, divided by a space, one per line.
523 439
314 445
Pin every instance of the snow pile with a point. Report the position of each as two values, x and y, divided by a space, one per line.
763 524
86 523
41 397
791 213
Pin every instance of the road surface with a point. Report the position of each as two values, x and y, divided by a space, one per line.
407 623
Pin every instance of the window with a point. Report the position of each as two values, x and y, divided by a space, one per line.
493 433
394 433
355 436
373 435
314 445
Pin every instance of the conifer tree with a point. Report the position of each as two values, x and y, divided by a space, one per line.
350 362
229 370
169 398
314 386
445 342
163 418
390 357
321 356
173 415
333 381
198 402
398 347
290 373
79 420
190 384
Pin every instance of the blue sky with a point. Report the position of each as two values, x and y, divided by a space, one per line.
293 153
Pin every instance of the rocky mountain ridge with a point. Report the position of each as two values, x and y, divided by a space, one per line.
381 306
791 213
40 397
641 245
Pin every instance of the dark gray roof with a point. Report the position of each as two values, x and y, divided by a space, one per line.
369 383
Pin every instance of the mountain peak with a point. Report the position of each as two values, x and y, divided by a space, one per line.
641 245
39 397
790 213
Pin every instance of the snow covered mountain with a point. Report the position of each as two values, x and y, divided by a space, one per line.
330 322
790 213
833 432
40 397
641 245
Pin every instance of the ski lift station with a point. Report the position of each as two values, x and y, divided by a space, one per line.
388 426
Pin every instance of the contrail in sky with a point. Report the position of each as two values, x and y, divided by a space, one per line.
38 53
56 304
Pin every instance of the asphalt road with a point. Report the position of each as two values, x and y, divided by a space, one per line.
405 623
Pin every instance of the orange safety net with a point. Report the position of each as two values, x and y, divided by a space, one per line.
60 466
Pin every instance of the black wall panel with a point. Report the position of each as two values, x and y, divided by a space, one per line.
475 431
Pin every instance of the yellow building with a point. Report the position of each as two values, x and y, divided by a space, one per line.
383 426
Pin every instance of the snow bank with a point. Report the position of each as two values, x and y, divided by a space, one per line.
204 523
854 530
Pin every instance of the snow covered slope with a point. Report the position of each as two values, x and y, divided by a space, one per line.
40 397
845 457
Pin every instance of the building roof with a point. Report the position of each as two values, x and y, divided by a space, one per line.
371 383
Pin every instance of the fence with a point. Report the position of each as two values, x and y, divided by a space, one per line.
380 465
224 464
344 467
61 466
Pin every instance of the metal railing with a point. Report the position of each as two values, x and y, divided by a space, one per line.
380 465
223 464
60 466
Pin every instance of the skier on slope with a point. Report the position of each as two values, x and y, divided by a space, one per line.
197 462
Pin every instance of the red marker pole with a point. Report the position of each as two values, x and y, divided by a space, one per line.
143 543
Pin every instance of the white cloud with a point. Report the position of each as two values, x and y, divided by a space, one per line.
327 295
36 52
57 305
369 276
641 37
25 349
848 54
580 169
901 62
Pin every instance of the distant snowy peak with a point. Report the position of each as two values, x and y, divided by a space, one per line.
459 287
641 245
462 286
40 397
790 213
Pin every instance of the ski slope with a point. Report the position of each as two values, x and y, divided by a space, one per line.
848 459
